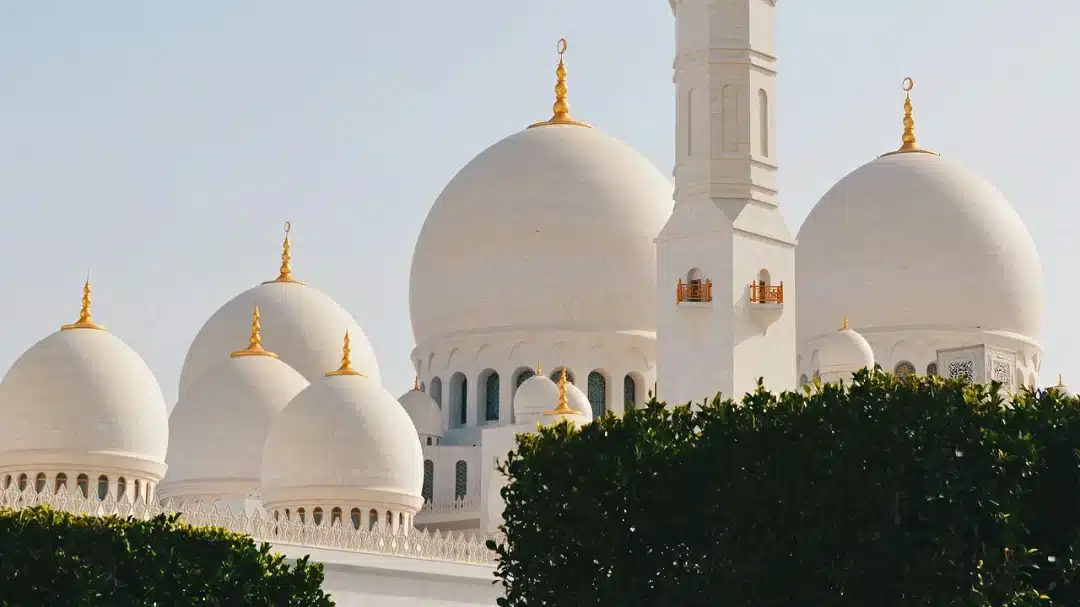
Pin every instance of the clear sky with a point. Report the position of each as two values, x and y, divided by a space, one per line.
163 145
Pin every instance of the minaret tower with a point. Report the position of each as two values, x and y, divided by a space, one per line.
725 259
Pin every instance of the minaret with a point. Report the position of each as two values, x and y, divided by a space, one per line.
725 259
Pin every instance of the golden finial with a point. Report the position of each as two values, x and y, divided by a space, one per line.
539 371
416 383
844 327
254 347
84 321
908 140
562 408
1060 383
285 273
561 108
346 360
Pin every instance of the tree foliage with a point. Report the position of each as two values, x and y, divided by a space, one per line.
48 557
888 492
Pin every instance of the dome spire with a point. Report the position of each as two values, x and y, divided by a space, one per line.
539 371
254 347
908 142
561 109
416 383
285 272
562 408
84 322
844 327
346 360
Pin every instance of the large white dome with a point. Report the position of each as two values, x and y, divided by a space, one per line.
300 323
915 240
344 438
218 431
552 227
84 394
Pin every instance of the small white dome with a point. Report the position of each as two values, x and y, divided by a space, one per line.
423 411
343 439
85 393
538 395
917 240
842 353
300 323
525 233
218 431
576 400
533 397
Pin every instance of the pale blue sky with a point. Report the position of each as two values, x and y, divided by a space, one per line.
162 145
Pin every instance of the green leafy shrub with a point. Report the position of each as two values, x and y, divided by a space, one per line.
887 492
48 557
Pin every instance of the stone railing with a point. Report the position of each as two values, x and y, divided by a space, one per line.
466 504
449 547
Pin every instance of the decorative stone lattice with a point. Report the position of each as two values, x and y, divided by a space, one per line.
962 369
447 547
1001 372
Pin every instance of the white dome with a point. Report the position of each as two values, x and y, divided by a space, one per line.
576 400
917 240
524 237
343 438
83 392
300 323
533 397
538 395
842 353
423 411
219 429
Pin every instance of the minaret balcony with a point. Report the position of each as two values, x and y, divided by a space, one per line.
766 294
693 292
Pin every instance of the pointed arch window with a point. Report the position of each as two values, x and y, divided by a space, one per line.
629 392
491 397
436 391
522 375
558 371
102 486
428 489
83 483
597 393
461 479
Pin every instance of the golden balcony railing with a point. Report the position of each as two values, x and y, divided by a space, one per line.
770 294
695 290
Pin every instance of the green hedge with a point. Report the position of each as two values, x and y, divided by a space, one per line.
890 493
54 558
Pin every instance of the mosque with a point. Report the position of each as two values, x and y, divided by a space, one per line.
284 430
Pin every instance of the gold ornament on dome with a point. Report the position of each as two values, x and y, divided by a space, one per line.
346 360
254 347
563 408
285 272
908 141
561 109
84 322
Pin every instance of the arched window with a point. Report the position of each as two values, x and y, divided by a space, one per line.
459 399
763 121
429 440
491 397
629 387
598 393
803 380
389 520
23 481
461 479
764 278
121 487
335 516
904 369
83 483
7 481
558 371
137 496
522 375
373 519
436 391
355 515
316 515
102 486
931 369
61 481
429 480
301 515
